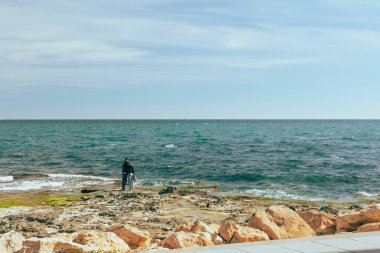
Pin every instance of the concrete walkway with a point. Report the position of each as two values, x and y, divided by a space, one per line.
350 242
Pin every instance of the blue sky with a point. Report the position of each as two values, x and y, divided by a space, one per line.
189 59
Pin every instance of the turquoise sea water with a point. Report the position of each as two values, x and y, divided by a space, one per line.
290 159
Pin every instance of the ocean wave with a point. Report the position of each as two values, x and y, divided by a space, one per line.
6 179
31 185
80 176
170 146
55 182
278 194
147 182
366 194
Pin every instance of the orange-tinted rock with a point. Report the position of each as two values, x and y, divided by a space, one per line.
53 245
132 236
195 227
321 223
248 234
227 230
352 220
105 242
11 242
280 222
369 227
182 240
216 239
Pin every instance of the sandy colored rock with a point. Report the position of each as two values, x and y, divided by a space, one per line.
352 220
321 223
214 228
216 239
132 236
227 230
11 242
54 245
280 222
64 236
105 242
196 227
183 240
369 227
248 234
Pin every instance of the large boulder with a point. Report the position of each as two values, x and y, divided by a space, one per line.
183 240
321 223
352 220
280 222
248 234
11 242
210 232
234 233
132 236
369 227
105 242
54 245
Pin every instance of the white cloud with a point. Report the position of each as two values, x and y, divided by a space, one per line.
154 35
66 52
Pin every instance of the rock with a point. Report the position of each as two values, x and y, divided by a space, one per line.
182 240
227 230
216 239
64 236
214 228
248 234
321 223
369 227
280 222
88 190
352 220
234 233
132 236
11 242
195 227
105 242
169 190
53 245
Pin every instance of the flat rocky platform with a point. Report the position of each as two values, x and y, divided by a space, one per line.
168 215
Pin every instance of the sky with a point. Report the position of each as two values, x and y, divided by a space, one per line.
189 59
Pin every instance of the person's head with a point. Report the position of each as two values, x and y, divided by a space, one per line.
126 160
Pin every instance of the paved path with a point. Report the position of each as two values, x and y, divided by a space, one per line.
350 242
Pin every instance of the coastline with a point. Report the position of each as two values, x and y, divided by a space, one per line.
158 211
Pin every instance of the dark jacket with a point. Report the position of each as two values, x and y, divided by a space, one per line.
127 168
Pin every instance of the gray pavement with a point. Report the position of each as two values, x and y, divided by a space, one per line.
349 242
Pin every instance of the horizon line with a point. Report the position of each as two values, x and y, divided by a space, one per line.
181 119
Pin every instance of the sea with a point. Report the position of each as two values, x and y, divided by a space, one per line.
289 159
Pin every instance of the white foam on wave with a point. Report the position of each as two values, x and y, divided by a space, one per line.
55 182
30 185
170 146
279 194
6 179
79 176
337 157
367 194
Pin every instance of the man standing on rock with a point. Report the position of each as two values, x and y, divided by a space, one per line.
128 174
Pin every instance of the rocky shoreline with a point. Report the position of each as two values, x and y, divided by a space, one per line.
148 219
